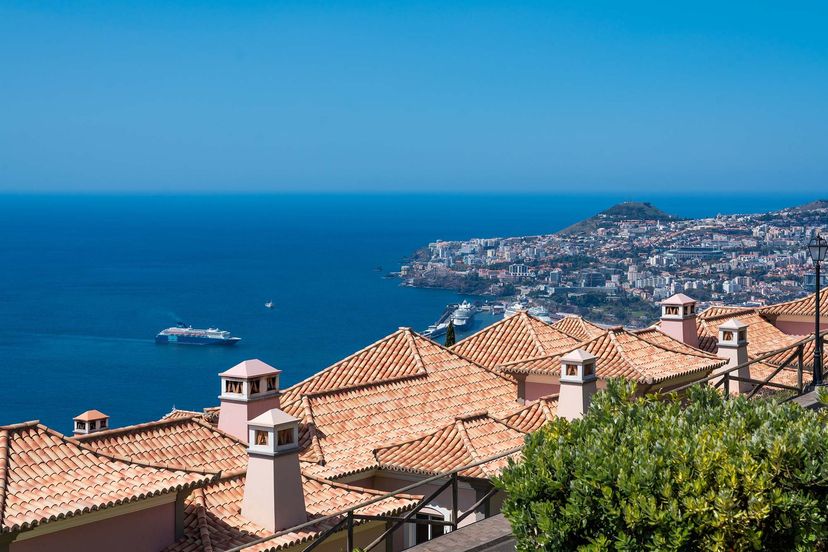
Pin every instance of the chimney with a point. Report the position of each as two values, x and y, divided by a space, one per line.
90 422
678 319
248 389
578 384
273 493
733 346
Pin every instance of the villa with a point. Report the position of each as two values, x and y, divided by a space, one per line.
274 469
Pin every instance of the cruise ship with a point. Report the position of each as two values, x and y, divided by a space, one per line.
463 314
195 336
541 314
513 309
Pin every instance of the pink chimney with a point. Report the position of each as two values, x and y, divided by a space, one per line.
273 493
733 345
248 389
578 384
678 319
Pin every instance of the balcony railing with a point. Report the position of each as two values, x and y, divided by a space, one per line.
347 519
724 377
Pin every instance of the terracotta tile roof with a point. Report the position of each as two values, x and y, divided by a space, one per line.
187 442
391 358
467 440
807 354
213 515
213 519
250 369
721 310
787 376
534 415
622 353
518 337
763 337
178 413
578 328
45 476
341 426
802 307
90 415
657 337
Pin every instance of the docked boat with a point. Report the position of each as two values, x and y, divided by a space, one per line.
541 314
513 309
194 336
436 330
463 314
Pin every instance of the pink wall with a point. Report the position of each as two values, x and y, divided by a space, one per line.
149 530
536 390
792 327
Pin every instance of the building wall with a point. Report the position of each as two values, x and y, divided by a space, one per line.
799 325
541 386
148 530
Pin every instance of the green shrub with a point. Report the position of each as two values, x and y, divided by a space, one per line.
654 474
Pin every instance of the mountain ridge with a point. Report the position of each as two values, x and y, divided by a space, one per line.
627 210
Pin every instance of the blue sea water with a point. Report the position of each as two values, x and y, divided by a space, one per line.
87 281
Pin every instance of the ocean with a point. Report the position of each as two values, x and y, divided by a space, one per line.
86 281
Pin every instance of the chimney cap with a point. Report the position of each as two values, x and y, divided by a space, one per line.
678 299
733 324
578 356
272 418
90 415
250 369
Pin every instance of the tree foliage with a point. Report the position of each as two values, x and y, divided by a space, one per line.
655 474
451 339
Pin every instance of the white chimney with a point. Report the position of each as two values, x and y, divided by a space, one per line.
90 422
248 389
578 384
273 493
733 345
678 319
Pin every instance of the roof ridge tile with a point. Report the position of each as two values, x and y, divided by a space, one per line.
418 358
623 354
338 390
310 423
467 442
131 428
527 322
344 360
201 520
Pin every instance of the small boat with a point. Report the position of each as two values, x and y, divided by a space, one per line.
269 305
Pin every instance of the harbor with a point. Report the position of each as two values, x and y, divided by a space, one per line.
468 317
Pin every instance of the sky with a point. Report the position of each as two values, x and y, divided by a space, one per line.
395 96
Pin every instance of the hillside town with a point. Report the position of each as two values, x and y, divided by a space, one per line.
616 266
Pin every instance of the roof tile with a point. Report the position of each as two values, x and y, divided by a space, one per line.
517 337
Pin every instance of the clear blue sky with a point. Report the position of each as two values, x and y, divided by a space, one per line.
512 96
